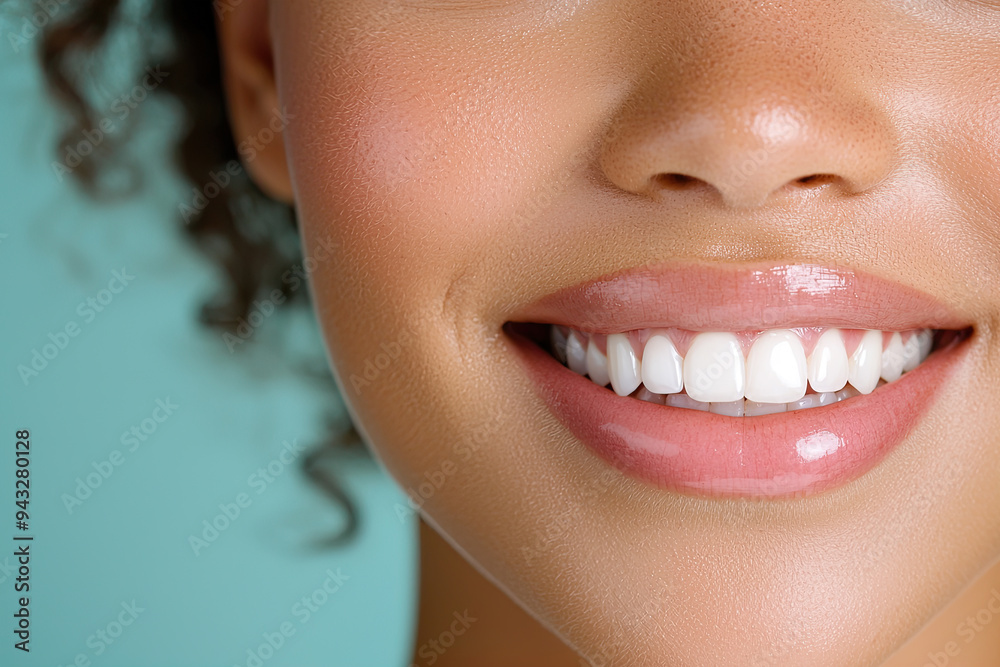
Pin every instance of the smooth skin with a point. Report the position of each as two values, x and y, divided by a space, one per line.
464 158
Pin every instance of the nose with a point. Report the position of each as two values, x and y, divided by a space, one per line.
748 120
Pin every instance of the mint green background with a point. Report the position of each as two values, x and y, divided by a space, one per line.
129 540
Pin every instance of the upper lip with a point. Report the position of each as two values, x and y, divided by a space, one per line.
707 297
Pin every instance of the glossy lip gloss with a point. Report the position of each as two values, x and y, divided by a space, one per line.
779 455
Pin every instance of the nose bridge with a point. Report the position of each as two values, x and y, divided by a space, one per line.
748 103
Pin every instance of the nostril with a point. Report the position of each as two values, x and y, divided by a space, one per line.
675 181
814 180
739 191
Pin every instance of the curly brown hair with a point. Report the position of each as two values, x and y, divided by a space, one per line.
240 229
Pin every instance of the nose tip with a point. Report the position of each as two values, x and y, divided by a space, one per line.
747 154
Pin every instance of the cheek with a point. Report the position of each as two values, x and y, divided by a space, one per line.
408 167
411 179
951 94
419 146
401 181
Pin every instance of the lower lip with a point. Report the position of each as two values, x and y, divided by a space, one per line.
791 454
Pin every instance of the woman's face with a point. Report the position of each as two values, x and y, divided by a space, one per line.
677 167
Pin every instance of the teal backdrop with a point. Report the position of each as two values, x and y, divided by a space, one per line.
171 522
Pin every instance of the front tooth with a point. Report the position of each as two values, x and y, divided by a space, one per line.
893 358
662 366
576 353
911 352
714 368
828 363
926 340
623 365
597 365
776 368
865 366
730 408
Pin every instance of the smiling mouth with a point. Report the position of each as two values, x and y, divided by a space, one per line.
745 374
652 370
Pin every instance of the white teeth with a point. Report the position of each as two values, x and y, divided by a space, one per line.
730 409
911 353
558 340
597 365
576 354
755 409
828 365
776 368
623 365
715 377
865 366
685 401
714 369
926 339
893 358
662 366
